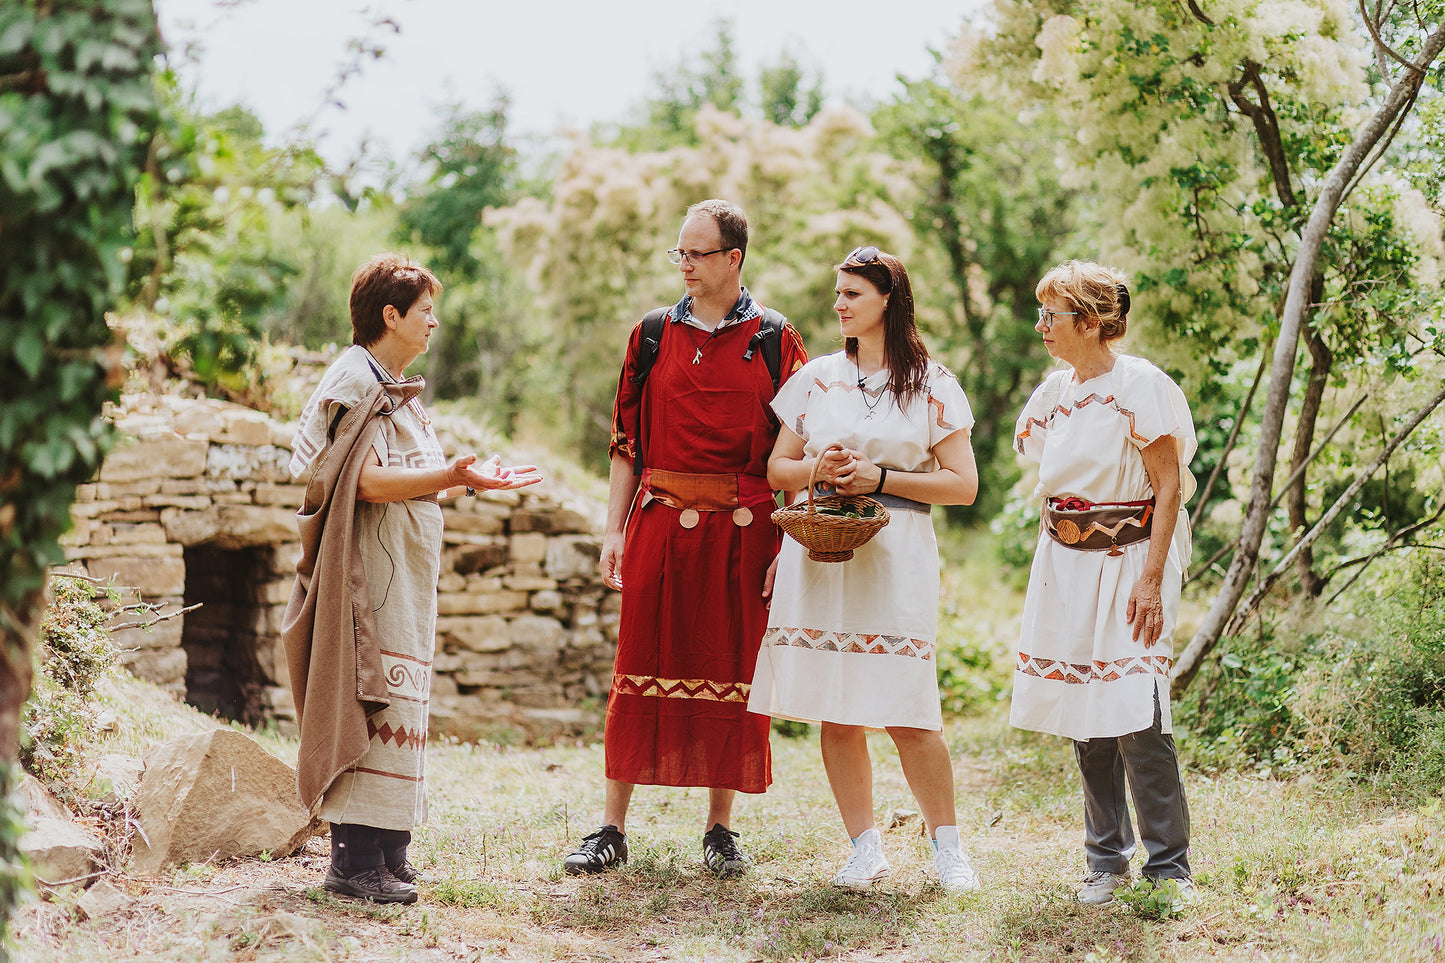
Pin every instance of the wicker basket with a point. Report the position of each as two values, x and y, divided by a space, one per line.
829 537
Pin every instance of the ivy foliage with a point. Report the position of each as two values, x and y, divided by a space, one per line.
77 109
77 112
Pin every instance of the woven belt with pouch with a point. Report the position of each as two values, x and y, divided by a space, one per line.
693 493
1097 526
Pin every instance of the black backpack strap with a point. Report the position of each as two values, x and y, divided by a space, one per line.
647 349
770 339
652 323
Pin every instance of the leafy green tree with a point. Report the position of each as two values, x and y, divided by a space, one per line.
77 114
204 254
783 96
485 344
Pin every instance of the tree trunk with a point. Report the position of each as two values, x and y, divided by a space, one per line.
1296 500
1256 518
17 632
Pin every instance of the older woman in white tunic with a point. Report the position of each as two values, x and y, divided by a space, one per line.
374 801
851 645
1112 436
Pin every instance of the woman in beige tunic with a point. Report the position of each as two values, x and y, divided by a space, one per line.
373 800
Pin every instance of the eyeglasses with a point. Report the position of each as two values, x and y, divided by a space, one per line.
677 255
1046 317
862 255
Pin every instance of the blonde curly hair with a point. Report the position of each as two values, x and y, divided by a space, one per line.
1100 294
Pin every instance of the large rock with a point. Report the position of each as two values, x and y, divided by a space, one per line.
215 794
103 899
60 850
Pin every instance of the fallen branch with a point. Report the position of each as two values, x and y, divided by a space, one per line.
157 620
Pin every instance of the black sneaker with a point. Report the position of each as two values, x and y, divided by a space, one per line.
721 854
376 884
599 851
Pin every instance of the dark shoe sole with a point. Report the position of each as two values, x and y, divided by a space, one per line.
343 887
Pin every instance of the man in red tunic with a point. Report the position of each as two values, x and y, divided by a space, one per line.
691 544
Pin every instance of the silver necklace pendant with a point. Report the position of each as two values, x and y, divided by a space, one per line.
697 358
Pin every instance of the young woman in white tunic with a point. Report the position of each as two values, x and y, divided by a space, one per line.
1113 437
851 645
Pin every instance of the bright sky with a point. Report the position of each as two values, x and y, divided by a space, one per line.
565 63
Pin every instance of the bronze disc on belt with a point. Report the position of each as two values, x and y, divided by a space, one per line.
689 518
743 517
1067 531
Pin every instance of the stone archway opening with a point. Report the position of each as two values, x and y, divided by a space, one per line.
233 639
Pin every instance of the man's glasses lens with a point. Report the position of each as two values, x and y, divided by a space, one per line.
863 255
677 256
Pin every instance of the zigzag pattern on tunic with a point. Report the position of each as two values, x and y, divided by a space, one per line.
938 405
1075 673
1066 412
933 402
862 643
403 737
705 689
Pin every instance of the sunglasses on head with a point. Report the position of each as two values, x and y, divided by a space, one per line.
867 254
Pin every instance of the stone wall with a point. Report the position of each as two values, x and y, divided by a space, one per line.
196 507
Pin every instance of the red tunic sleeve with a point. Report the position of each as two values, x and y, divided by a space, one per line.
794 354
626 407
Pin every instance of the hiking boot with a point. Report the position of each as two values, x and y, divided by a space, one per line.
599 851
866 865
407 872
376 884
955 873
1098 888
721 854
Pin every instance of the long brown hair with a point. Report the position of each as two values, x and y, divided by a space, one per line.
904 353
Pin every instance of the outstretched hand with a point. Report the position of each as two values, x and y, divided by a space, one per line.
490 475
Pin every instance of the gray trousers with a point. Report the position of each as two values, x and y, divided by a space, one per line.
1149 762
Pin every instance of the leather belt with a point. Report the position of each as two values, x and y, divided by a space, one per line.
1097 527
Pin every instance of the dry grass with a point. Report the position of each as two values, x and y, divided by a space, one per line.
1291 871
1311 869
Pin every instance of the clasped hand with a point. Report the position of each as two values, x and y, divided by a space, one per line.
849 471
490 475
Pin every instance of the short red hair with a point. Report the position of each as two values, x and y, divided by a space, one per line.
386 278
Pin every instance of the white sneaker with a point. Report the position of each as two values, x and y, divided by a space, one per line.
1185 893
866 865
1098 888
955 872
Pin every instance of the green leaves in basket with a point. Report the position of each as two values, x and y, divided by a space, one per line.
864 510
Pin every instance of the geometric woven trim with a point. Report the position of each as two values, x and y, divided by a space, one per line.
866 643
1092 399
414 739
1074 673
705 689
